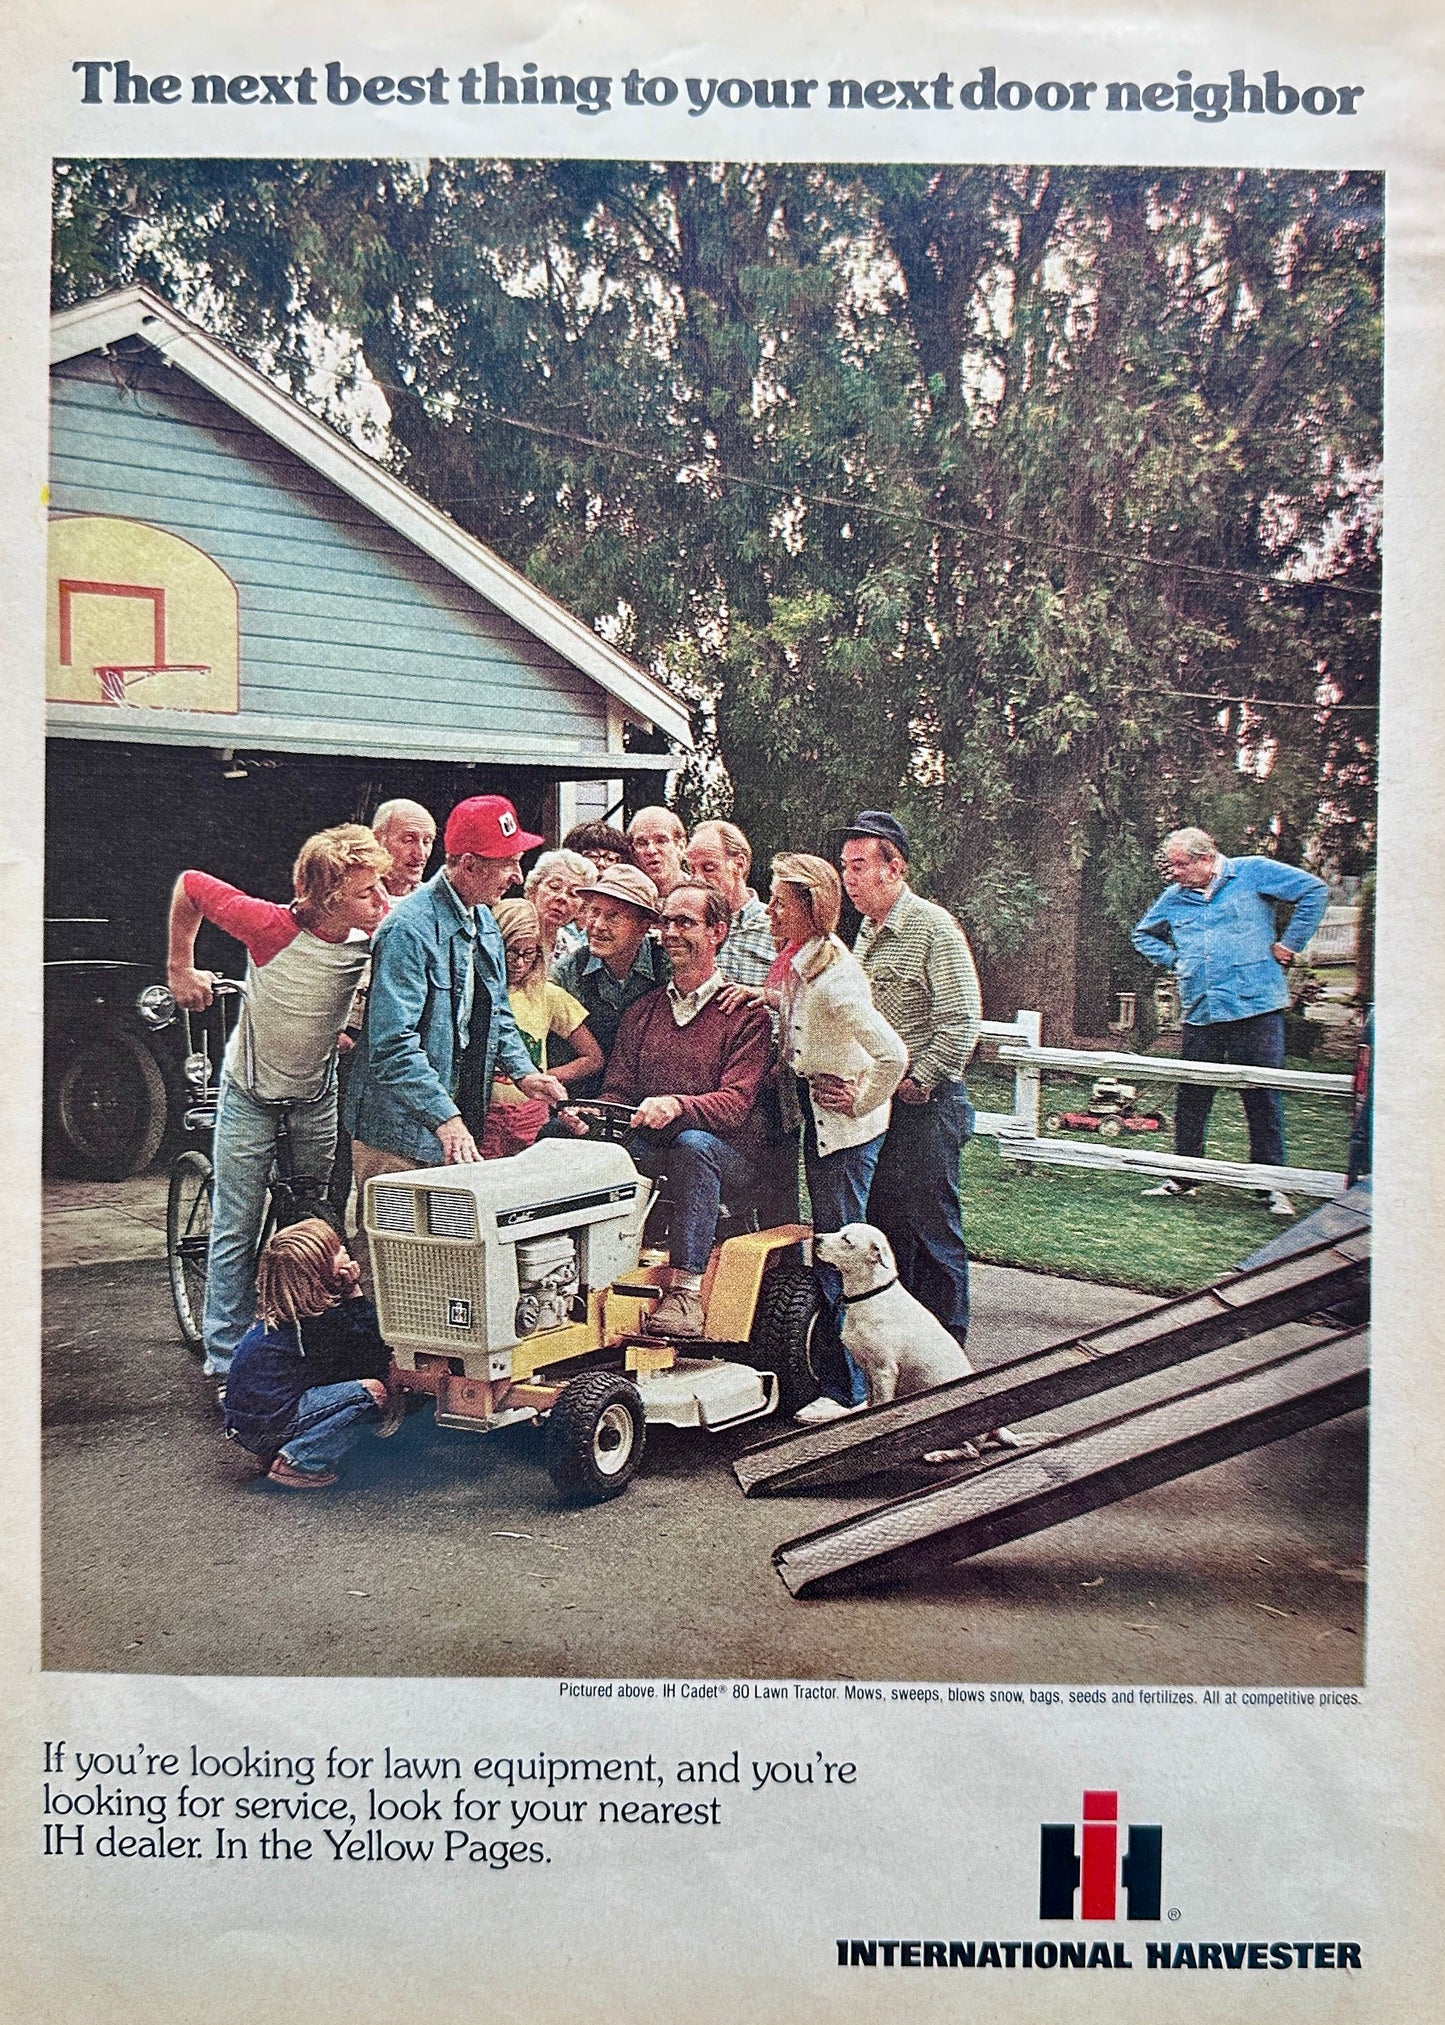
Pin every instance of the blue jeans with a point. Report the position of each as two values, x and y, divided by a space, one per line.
914 1201
838 1185
701 1170
244 1154
330 1419
1256 1043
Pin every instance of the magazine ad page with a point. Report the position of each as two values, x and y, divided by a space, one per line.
721 791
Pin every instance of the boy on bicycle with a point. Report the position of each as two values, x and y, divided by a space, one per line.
304 963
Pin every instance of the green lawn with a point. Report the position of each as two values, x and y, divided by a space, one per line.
1097 1226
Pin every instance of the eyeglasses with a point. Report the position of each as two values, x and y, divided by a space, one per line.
683 921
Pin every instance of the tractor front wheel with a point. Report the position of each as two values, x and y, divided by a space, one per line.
595 1437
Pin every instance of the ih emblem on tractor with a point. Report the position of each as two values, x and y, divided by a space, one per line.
459 1314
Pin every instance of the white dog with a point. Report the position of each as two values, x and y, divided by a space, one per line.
896 1343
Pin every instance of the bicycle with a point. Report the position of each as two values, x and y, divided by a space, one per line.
290 1196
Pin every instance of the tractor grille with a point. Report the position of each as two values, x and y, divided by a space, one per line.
431 1293
450 1213
392 1208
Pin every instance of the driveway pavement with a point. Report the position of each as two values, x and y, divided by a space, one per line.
444 1553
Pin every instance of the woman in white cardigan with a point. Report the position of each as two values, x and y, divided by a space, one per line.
846 1060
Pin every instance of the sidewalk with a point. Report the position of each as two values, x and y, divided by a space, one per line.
1250 1572
102 1223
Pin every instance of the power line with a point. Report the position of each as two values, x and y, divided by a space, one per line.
935 521
1262 702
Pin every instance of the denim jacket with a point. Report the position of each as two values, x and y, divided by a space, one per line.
1219 942
406 1067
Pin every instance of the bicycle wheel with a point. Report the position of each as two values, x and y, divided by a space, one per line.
188 1241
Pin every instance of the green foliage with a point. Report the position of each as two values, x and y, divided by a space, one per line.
985 492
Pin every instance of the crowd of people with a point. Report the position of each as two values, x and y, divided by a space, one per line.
473 1011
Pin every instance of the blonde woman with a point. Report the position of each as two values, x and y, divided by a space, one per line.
540 1010
846 1061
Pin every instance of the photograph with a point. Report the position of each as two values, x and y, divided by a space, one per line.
710 854
720 838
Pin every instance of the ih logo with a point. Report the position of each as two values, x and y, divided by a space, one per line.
1097 1876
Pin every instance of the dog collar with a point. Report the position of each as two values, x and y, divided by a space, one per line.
856 1300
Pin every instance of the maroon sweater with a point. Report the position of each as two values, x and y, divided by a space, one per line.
716 1064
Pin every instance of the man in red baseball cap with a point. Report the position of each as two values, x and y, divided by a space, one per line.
438 1026
486 826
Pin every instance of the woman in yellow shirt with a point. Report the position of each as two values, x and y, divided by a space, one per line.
540 1009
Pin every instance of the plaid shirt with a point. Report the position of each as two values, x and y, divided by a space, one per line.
921 970
747 955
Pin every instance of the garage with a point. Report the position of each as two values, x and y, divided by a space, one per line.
255 630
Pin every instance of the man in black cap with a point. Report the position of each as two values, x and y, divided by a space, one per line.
924 983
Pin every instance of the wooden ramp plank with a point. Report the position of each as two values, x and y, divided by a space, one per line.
1239 1306
1078 1473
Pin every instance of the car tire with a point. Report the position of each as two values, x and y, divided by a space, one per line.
595 1436
108 1110
188 1240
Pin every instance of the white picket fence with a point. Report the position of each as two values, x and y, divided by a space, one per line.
1020 1137
1337 938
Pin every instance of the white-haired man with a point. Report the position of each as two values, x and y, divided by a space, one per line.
1216 926
408 831
720 855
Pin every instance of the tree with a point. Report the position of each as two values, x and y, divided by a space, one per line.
1037 503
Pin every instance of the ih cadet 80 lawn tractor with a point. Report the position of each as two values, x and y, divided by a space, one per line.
515 1290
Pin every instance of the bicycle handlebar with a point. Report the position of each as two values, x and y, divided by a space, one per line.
157 1005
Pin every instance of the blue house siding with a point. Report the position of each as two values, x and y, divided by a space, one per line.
339 613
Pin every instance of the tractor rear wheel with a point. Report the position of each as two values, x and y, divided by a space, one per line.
791 1336
595 1436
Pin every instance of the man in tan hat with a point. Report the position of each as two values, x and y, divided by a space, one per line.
691 1061
620 961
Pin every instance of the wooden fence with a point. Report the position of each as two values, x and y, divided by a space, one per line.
1020 1137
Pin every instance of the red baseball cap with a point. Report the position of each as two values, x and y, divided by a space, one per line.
487 827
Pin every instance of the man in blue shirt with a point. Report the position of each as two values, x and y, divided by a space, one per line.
1216 927
438 1026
